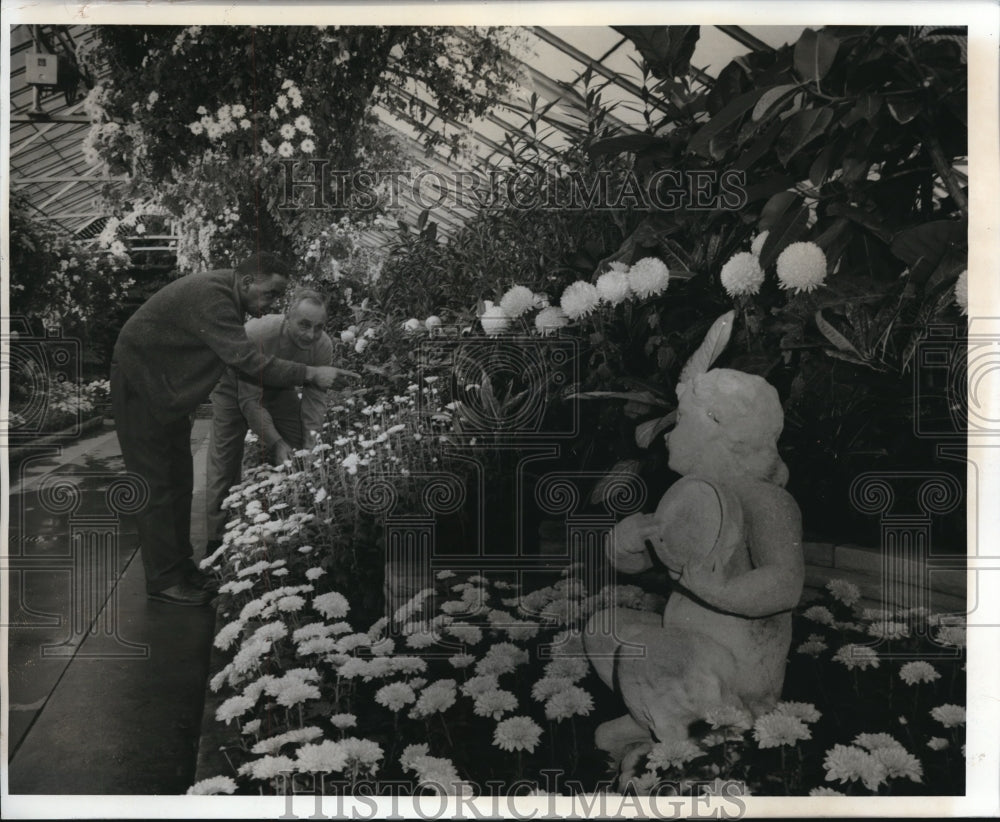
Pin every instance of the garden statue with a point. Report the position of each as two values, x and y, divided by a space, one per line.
730 537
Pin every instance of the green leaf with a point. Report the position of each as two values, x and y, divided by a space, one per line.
776 207
646 397
800 130
700 143
840 342
786 231
768 102
922 247
623 468
667 50
711 347
814 54
646 433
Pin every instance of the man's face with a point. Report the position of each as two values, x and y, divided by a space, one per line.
262 294
305 323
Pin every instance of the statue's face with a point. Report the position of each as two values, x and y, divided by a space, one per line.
696 429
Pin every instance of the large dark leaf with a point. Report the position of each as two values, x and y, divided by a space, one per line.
923 246
786 231
801 129
814 54
731 113
776 207
667 50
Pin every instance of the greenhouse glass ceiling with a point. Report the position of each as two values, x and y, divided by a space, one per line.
559 65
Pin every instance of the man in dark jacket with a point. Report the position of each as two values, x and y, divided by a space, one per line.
168 357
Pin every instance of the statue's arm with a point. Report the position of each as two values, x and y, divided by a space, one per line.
774 535
628 552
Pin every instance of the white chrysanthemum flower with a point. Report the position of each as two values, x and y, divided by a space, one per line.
962 292
517 300
295 692
913 673
949 715
857 656
321 757
477 685
435 698
494 319
742 274
673 754
232 708
285 149
362 753
579 299
267 767
820 614
937 743
332 605
801 267
775 729
238 110
518 733
951 635
307 146
196 128
613 286
572 701
395 696
273 744
461 660
846 592
899 763
287 131
432 322
800 710
412 324
411 753
228 634
847 763
303 124
757 246
469 634
825 792
872 742
495 703
649 277
548 686
211 786
549 320
573 668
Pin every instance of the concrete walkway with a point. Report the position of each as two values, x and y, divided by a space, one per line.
105 687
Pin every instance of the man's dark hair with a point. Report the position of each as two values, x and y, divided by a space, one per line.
264 264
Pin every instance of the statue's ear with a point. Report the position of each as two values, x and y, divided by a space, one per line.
711 347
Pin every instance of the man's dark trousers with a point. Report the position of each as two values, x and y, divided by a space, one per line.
161 455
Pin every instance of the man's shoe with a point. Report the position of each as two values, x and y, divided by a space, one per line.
200 580
182 594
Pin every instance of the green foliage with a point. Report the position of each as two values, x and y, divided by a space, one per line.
218 157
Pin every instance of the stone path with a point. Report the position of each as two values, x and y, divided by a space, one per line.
105 687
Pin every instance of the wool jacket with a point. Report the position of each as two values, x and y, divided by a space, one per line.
176 346
248 397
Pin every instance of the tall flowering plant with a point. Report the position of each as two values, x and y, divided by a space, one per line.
219 159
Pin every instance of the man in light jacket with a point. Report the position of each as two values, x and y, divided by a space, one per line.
282 421
168 357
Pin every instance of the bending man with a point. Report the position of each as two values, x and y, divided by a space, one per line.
168 357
